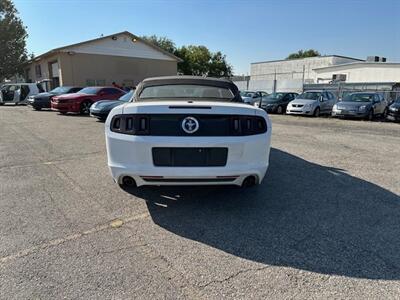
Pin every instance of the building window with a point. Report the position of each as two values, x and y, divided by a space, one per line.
38 71
90 82
97 82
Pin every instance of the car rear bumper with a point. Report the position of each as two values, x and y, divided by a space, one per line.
132 156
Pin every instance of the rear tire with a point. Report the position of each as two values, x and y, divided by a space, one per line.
85 107
317 112
279 110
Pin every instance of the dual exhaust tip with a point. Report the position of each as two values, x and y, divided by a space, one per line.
249 181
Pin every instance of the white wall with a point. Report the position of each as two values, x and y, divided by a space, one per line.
367 72
295 85
293 69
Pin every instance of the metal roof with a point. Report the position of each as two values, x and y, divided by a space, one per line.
361 64
56 50
322 56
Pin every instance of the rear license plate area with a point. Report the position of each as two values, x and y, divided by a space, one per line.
190 157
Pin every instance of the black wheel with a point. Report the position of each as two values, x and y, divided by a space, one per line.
1 103
370 116
85 107
279 110
317 112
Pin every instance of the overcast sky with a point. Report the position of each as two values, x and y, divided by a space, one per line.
246 31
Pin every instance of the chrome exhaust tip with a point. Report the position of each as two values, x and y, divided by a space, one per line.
128 181
249 181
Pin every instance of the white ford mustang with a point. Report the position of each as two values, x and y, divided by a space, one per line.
186 130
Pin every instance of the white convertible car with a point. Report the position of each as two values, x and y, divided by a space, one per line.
186 130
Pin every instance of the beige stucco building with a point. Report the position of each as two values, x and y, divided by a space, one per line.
121 57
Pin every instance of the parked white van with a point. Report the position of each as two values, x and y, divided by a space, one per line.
18 93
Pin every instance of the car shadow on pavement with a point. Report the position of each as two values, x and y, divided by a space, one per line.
303 216
69 115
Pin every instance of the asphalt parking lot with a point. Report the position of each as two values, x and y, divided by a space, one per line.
324 223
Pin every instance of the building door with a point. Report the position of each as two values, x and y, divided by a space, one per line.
54 74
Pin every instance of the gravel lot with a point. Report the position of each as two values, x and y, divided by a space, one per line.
324 223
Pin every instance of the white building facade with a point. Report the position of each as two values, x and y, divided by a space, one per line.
296 69
359 72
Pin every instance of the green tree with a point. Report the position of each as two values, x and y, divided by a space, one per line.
303 54
12 41
162 42
218 66
200 61
197 60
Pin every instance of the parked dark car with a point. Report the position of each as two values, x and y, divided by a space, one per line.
101 109
394 111
43 100
277 102
361 105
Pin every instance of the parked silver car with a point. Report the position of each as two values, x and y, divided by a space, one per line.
361 105
250 97
312 103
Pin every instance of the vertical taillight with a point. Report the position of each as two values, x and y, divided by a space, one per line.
130 124
236 125
248 125
143 124
116 123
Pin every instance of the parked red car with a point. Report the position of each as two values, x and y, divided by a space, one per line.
81 101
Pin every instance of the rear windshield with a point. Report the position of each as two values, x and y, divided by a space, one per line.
186 91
